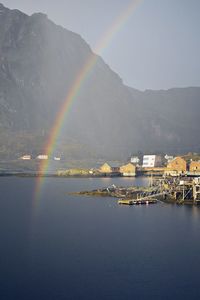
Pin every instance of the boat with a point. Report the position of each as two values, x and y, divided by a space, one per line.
137 202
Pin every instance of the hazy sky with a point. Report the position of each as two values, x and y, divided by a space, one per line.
157 48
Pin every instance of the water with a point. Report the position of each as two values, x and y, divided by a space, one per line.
72 247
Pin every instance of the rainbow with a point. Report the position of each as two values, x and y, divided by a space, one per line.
76 89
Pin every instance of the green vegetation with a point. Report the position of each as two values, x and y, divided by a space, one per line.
74 172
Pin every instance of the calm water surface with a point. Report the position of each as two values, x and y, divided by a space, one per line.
68 247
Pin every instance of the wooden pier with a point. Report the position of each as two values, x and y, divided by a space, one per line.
168 190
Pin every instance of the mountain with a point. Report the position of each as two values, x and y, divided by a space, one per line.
39 62
170 118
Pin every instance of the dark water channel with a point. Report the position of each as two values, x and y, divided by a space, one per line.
69 247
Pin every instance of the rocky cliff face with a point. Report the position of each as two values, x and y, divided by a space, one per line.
35 69
170 118
39 62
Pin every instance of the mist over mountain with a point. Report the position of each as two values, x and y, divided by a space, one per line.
39 62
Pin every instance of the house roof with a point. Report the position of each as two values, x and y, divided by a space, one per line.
113 164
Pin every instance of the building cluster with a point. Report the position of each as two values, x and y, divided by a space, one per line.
179 166
146 165
39 157
132 168
153 164
128 170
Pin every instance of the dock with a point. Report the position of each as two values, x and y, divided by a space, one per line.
168 190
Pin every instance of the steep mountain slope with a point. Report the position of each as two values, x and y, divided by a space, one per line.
170 118
39 62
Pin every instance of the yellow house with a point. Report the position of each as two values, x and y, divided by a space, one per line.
195 166
108 168
176 167
105 168
128 170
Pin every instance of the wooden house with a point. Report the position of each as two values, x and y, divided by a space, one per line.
128 170
176 167
105 168
110 169
194 166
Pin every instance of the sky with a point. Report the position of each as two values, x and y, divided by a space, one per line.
157 47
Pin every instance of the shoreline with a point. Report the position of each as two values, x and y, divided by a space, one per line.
53 174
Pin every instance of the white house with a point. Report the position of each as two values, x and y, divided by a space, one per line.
151 161
42 156
169 158
135 160
26 157
56 158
